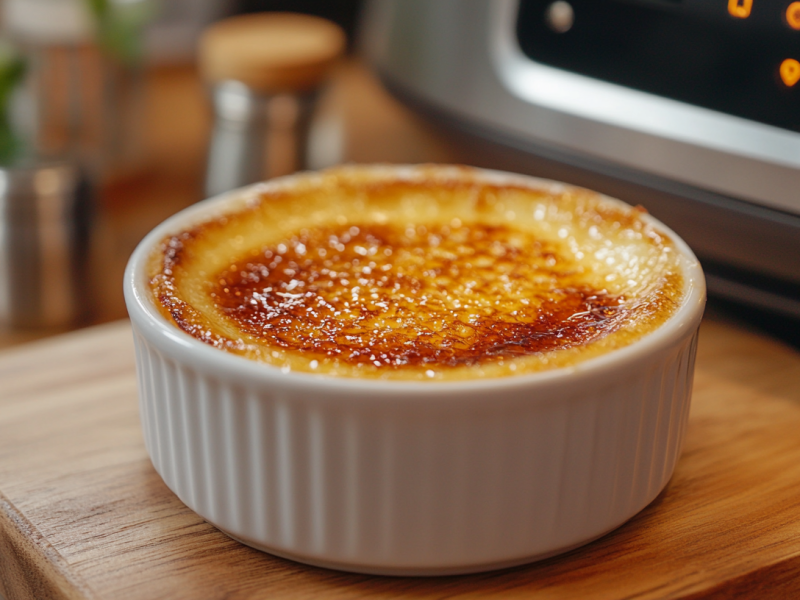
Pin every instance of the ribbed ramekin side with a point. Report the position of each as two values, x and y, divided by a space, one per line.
143 380
621 443
410 485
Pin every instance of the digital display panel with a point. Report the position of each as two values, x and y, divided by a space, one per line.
740 57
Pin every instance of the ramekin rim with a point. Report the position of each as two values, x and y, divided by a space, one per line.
164 334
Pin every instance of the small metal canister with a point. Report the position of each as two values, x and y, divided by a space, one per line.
44 243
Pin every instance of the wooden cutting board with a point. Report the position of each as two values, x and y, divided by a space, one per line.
84 515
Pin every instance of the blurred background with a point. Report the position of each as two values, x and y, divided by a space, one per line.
115 114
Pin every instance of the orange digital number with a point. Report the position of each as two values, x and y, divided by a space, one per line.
740 8
793 15
790 72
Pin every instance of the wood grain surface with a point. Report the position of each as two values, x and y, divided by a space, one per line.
84 515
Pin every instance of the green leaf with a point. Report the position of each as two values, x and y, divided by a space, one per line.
12 72
120 27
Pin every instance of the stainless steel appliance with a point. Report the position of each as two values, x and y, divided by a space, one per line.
688 107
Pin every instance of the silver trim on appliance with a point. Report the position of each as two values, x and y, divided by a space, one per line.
674 123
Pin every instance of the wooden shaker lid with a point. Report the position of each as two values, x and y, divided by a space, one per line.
273 52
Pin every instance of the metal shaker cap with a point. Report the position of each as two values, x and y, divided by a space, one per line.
44 221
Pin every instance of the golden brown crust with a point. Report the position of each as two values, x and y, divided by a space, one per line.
440 277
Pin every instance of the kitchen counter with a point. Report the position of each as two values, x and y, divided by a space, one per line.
84 515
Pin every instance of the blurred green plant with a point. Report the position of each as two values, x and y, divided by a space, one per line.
120 27
12 71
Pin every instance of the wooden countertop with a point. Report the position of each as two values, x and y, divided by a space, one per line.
83 514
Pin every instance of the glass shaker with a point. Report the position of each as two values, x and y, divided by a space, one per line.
45 206
83 97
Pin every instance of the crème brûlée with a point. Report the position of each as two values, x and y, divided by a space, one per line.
427 273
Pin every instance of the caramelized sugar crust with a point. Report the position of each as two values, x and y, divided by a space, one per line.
431 278
393 296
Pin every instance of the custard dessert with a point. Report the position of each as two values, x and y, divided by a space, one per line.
418 273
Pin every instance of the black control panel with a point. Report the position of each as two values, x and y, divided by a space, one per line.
740 57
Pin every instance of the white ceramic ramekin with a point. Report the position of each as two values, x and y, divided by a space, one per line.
411 478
